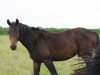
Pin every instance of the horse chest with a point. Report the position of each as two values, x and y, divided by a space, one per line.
35 55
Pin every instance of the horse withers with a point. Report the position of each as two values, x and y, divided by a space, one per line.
46 47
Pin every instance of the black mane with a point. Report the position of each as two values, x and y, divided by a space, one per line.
35 29
25 29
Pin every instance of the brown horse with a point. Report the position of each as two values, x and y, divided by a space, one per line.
46 47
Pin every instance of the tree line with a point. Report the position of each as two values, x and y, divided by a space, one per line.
4 31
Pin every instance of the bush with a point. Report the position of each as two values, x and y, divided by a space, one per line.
55 30
96 30
3 31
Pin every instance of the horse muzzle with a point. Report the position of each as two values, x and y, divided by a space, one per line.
13 47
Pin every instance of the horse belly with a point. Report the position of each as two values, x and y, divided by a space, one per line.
60 56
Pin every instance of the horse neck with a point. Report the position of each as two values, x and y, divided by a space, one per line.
24 36
28 37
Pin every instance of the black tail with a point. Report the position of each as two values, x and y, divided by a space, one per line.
97 39
94 69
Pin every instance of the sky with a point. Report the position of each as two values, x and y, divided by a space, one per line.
51 13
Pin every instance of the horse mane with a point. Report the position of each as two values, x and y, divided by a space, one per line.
35 29
25 29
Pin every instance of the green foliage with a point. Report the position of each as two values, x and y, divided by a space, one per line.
96 30
55 29
3 31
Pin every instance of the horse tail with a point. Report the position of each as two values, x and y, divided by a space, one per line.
94 69
97 39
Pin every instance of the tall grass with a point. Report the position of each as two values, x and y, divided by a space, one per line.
19 63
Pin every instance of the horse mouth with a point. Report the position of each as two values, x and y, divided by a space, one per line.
13 47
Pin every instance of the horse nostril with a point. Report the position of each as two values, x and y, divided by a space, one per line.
13 47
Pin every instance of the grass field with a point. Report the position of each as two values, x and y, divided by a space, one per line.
19 63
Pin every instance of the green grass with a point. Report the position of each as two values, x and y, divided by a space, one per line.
19 63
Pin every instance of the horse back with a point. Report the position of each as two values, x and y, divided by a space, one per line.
64 45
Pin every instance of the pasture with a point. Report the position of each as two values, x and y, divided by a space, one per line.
19 63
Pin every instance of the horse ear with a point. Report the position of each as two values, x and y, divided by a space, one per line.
17 21
8 22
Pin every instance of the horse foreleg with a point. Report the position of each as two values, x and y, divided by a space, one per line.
36 67
49 64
